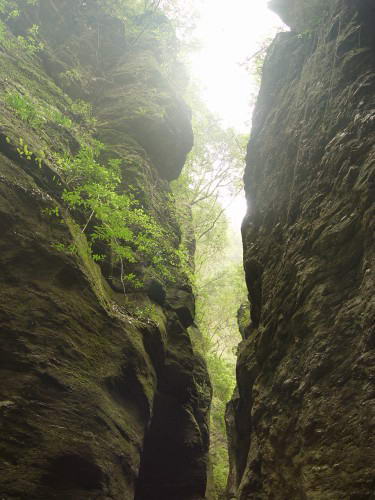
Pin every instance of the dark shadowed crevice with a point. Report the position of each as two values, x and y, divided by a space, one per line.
170 468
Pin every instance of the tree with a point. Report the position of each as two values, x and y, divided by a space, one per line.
211 179
212 176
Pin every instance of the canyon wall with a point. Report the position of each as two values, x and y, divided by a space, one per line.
302 422
102 393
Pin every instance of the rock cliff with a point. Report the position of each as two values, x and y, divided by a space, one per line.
301 425
102 394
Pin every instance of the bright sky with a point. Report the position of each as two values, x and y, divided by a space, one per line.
230 31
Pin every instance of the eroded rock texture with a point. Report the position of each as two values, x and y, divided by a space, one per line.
302 423
94 404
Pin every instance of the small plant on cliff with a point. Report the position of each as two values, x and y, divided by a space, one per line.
24 151
113 216
28 43
83 109
33 113
24 108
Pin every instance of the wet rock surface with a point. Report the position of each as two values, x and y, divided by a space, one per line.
302 422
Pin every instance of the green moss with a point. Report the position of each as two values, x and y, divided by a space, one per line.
92 271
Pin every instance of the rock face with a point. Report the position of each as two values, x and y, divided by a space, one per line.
94 402
302 423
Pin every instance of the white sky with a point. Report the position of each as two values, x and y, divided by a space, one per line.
229 31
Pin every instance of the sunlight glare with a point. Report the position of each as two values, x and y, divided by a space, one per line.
230 31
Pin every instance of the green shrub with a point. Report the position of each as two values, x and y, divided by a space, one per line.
115 218
24 108
33 113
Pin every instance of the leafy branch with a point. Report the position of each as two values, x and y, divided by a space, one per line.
115 217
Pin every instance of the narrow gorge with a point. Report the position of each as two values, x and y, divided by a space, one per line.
105 385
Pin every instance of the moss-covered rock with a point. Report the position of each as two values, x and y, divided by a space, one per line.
91 378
